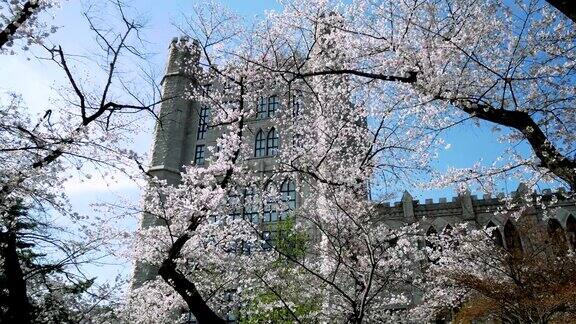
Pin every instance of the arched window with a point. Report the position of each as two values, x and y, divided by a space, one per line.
260 144
495 234
272 142
512 237
447 230
557 235
288 192
571 231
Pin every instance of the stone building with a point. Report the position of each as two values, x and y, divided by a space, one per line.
183 135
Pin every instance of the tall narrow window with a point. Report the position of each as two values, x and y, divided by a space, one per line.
432 246
273 105
272 142
250 210
199 155
495 234
447 230
234 204
288 191
270 195
430 232
202 123
262 108
260 144
296 103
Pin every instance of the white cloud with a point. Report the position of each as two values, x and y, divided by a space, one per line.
94 185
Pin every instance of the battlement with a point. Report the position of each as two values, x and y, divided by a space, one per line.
467 206
183 57
486 198
184 43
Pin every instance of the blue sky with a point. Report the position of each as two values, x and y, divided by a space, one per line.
36 80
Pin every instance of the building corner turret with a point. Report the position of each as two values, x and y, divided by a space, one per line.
182 68
172 128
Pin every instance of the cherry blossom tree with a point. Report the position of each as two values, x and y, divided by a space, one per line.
513 71
20 23
84 131
477 274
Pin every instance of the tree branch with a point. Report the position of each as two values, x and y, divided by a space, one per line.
27 11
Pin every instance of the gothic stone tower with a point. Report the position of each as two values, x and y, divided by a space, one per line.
174 129
183 133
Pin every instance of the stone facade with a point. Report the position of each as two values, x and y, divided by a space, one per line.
488 211
182 130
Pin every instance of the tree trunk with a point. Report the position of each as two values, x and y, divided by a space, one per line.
550 158
19 308
186 288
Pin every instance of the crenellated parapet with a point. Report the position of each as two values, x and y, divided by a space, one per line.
479 210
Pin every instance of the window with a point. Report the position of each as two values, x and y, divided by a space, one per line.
250 211
431 245
495 234
199 155
246 248
260 144
447 230
266 146
262 108
267 107
206 89
272 142
288 191
430 232
202 123
233 203
270 214
296 103
273 105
